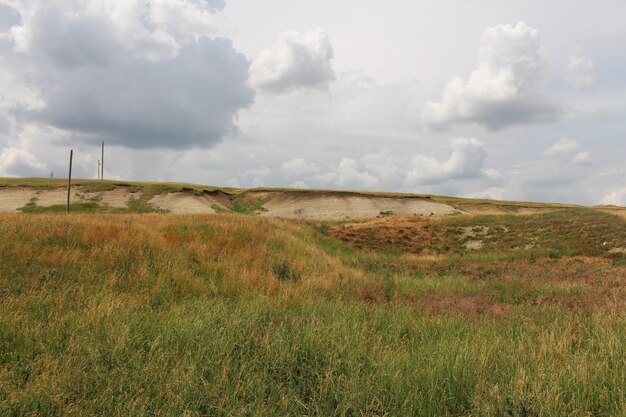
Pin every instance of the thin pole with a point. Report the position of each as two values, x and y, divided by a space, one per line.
102 162
69 182
98 169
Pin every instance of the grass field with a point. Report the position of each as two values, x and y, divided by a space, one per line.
230 314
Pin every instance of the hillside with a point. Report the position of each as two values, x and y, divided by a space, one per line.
132 312
50 195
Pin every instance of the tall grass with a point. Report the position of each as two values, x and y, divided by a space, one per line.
235 315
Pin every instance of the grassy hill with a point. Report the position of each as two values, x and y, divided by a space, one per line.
234 314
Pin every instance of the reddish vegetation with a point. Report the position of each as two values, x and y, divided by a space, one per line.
492 284
412 234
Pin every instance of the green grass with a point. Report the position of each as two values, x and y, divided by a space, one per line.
88 185
61 208
567 232
248 206
225 314
227 357
135 205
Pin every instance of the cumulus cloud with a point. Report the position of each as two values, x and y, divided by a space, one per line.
383 165
491 193
114 70
185 18
21 163
582 158
297 60
298 166
579 72
568 149
256 177
501 91
467 161
616 198
347 174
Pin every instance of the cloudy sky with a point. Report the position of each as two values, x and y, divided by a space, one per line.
522 100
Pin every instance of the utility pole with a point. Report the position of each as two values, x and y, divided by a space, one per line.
102 162
69 183
98 169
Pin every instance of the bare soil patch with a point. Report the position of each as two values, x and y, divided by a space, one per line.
117 198
12 199
185 203
348 206
413 234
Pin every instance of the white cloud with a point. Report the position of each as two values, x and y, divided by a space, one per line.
579 72
500 92
185 18
298 166
296 60
259 172
563 146
467 161
20 162
346 175
383 165
616 198
491 193
568 149
582 158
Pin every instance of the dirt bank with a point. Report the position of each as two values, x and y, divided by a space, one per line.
347 206
186 203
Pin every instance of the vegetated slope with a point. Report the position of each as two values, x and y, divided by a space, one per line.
228 314
566 232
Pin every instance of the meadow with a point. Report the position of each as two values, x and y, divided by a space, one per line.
232 314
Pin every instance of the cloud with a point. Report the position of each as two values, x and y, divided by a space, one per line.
467 161
9 17
300 184
185 18
110 70
568 149
582 158
616 198
491 193
21 163
500 92
298 166
579 72
257 177
297 60
347 175
383 166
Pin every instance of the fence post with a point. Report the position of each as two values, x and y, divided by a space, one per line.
69 183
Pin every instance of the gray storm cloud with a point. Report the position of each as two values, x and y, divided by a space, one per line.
106 70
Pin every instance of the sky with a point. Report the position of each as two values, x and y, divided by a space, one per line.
517 100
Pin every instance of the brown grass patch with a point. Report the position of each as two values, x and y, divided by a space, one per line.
412 234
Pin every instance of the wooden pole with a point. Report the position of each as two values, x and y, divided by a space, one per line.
102 162
69 182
